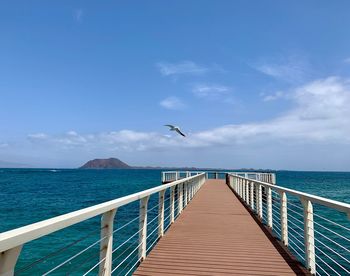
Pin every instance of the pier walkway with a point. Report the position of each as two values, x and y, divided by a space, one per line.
217 235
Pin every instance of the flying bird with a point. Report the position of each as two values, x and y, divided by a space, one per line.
175 128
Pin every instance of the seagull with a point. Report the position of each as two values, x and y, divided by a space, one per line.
175 128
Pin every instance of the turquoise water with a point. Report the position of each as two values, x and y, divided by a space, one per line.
31 195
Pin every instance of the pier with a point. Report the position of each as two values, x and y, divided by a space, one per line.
200 223
216 234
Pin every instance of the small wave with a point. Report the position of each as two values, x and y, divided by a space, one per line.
53 170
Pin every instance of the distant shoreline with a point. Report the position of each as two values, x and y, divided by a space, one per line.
170 169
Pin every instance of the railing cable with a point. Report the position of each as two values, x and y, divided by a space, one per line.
60 250
74 256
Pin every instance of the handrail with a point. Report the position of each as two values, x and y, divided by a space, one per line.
334 204
273 199
11 241
168 176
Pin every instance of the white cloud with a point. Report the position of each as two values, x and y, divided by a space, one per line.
213 92
347 60
181 68
317 122
321 114
173 103
210 90
78 15
290 69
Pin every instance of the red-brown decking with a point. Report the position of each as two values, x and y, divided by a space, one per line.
216 235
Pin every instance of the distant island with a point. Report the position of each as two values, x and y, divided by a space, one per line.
115 163
110 163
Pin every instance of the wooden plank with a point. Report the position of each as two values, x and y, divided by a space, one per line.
217 235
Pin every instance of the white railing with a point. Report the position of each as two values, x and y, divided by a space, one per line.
320 241
170 176
179 193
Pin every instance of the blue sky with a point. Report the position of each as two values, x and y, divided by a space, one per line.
261 84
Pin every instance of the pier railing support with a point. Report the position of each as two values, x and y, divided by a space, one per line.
256 188
143 227
106 245
243 190
240 187
161 214
260 213
252 195
185 193
247 194
269 207
172 204
309 235
284 218
180 197
8 260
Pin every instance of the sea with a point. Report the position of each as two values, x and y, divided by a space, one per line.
31 195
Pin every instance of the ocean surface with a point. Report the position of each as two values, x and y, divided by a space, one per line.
31 195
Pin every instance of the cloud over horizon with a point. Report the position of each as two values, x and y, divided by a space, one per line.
320 116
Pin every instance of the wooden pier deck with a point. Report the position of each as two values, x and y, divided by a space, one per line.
217 235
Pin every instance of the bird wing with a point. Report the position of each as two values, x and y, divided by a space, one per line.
179 131
171 126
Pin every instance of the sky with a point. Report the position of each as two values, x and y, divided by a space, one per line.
253 84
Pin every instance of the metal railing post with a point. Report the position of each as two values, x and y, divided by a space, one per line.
269 207
240 187
252 195
180 197
106 244
256 188
309 235
8 260
243 189
143 227
247 194
260 201
161 214
172 204
185 193
284 218
273 179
